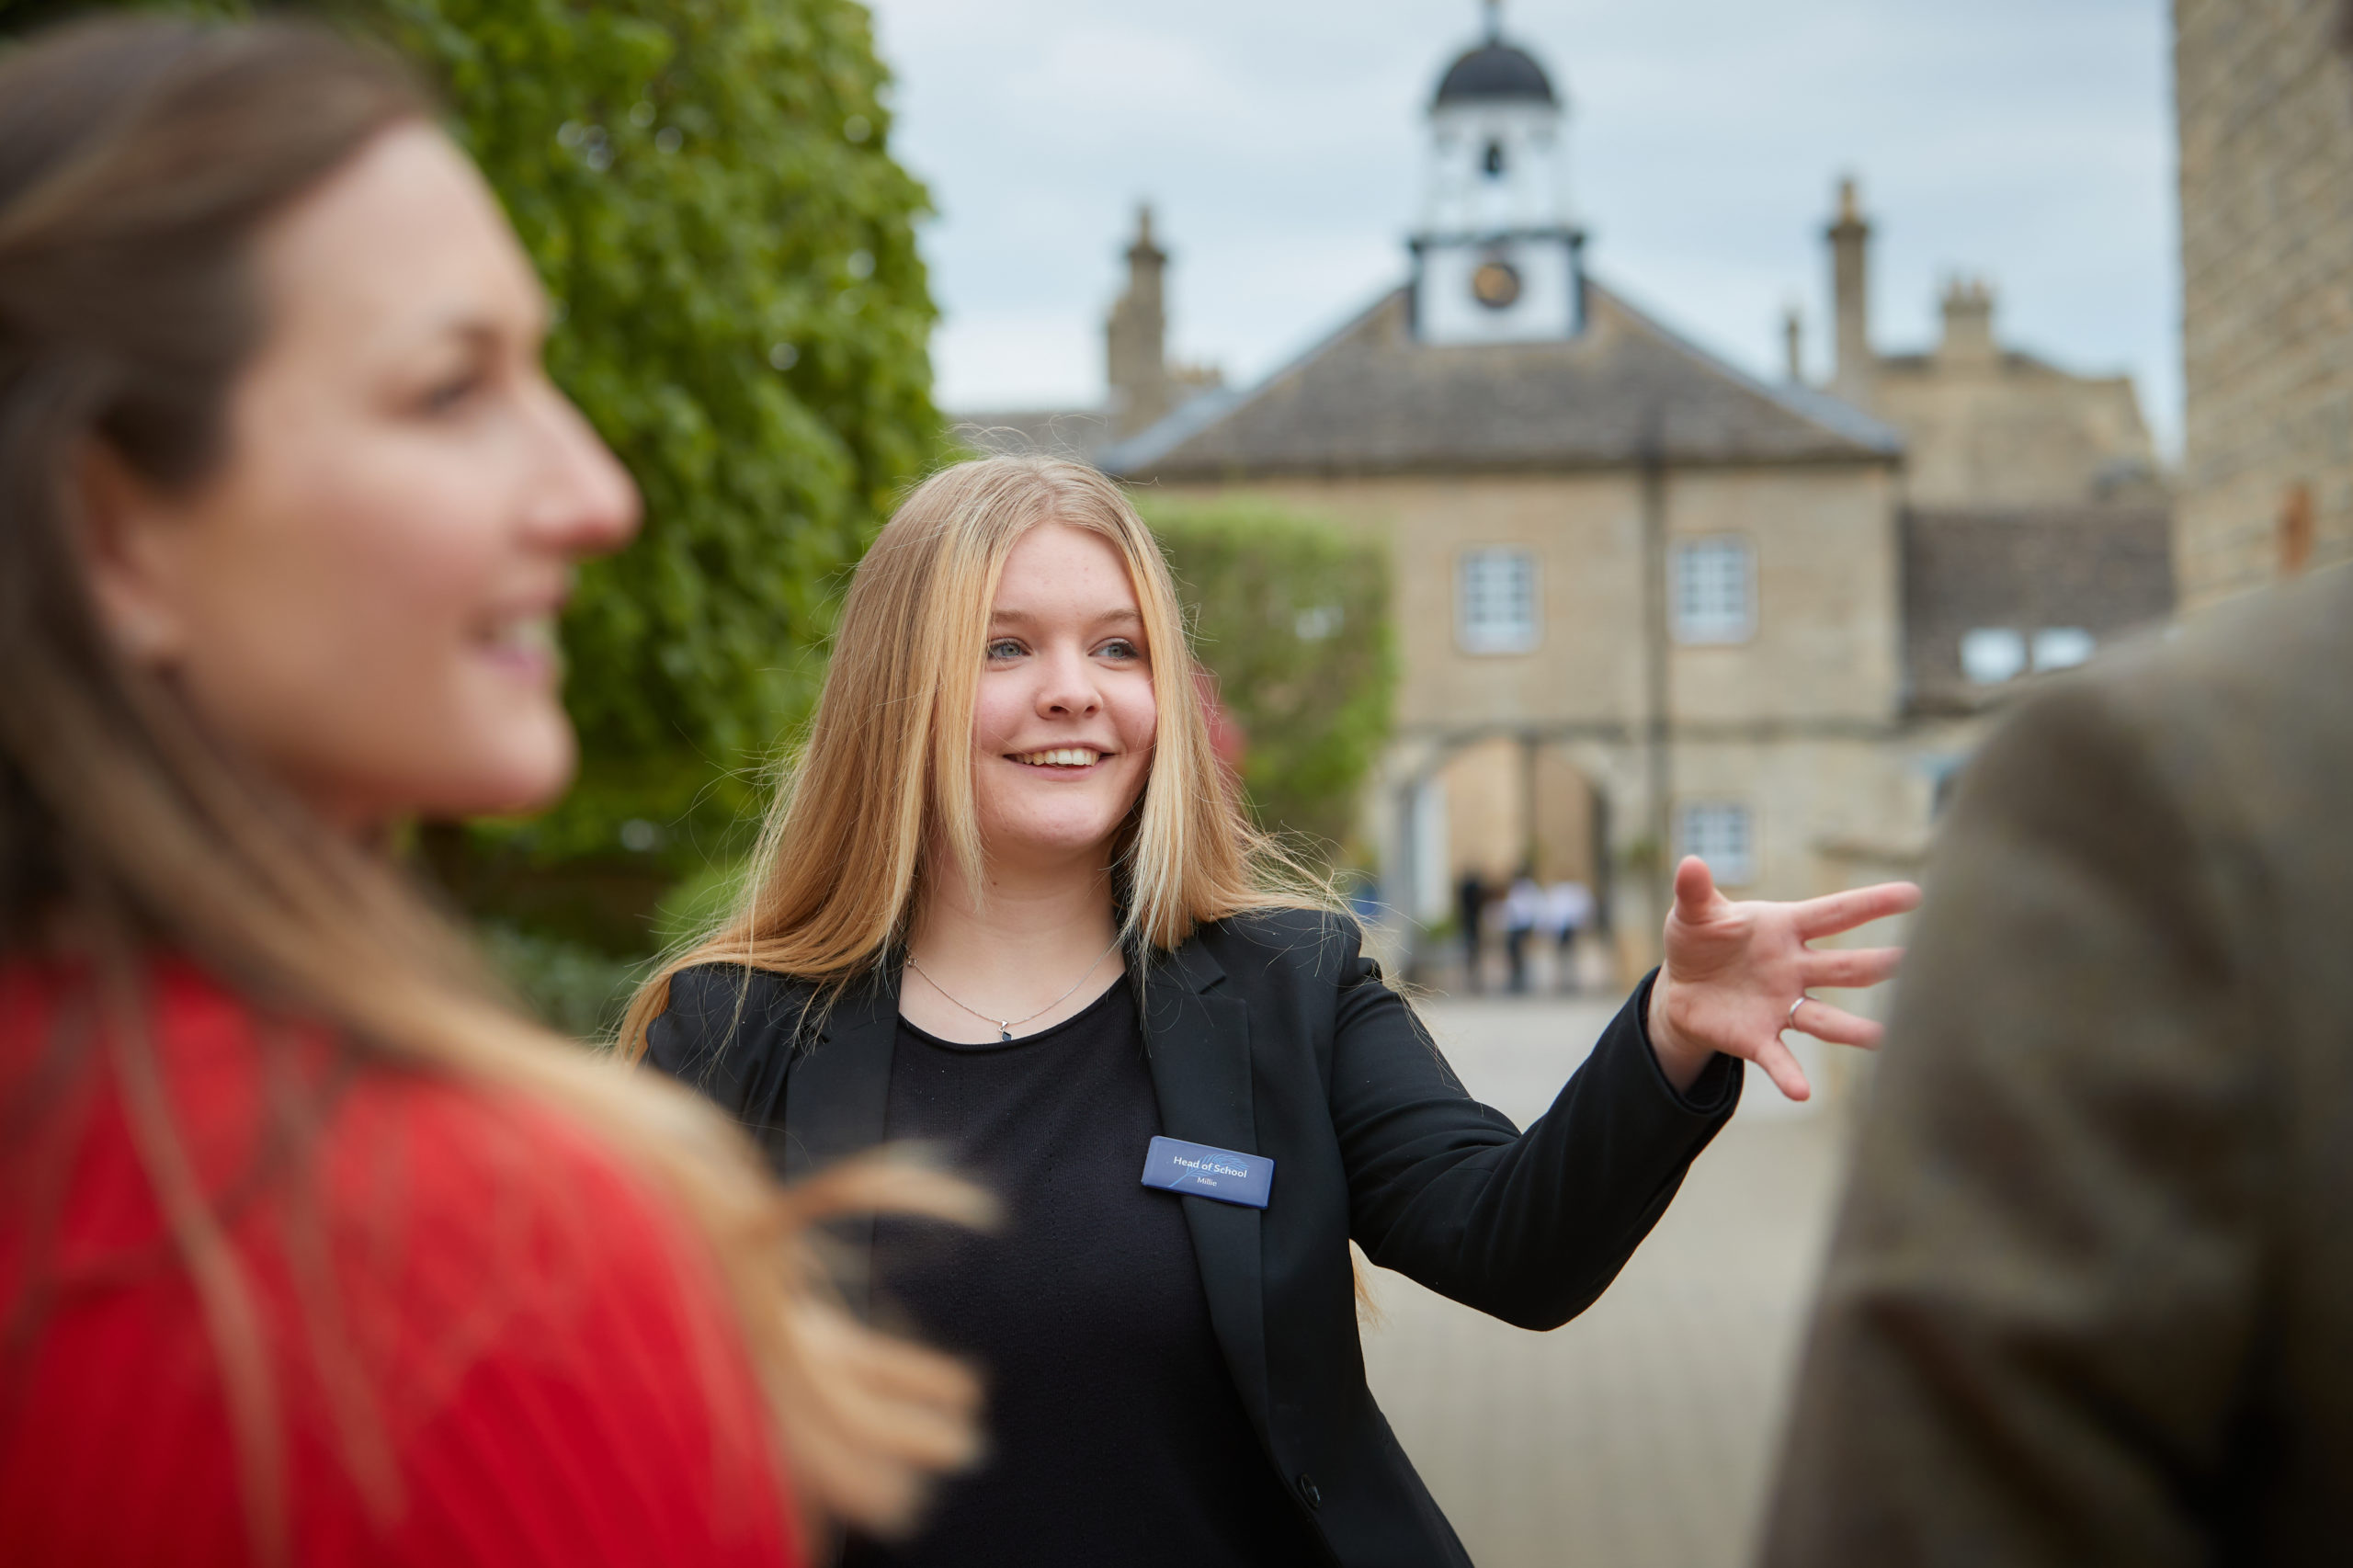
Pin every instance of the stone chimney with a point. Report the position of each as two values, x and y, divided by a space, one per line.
1135 339
1969 326
1850 295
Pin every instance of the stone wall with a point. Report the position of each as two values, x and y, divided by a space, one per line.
1491 788
1827 644
1802 723
2265 99
2011 431
1984 425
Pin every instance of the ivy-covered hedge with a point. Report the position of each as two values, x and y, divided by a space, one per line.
1292 614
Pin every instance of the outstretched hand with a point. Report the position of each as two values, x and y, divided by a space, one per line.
1732 970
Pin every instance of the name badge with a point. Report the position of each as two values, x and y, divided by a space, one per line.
1176 1165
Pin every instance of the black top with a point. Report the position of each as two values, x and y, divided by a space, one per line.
1084 1311
1272 1034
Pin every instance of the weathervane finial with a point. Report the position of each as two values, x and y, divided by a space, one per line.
1494 9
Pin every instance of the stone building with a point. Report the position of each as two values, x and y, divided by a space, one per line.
2264 93
1648 603
1983 425
1641 598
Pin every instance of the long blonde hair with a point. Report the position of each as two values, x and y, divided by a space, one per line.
144 155
885 778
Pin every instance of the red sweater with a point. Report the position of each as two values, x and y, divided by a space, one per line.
544 1354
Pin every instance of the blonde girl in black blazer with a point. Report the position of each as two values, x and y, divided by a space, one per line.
1009 902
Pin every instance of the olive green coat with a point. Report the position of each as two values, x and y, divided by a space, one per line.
2091 1297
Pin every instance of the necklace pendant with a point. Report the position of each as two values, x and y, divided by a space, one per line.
1004 1034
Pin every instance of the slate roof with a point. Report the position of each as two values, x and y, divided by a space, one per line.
1495 71
1373 399
2107 569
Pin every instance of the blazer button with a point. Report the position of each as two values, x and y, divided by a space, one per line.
1310 1493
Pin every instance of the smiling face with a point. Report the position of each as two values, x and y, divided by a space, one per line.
1062 721
363 595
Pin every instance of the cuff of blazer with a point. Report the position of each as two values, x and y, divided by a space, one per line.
1715 1092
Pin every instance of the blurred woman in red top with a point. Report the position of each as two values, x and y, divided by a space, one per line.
309 1249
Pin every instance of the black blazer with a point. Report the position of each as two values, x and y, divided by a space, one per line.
1271 1034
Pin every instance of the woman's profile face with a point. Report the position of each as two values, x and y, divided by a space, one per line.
1063 724
363 595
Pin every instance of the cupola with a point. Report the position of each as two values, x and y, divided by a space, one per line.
1496 259
1495 71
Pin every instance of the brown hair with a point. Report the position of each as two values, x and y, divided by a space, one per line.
885 780
139 161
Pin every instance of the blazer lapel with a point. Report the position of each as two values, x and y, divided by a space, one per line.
1199 1044
836 1098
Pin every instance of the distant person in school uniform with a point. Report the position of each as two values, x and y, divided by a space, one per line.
1471 914
1523 914
1568 909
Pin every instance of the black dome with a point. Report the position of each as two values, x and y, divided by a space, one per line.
1495 71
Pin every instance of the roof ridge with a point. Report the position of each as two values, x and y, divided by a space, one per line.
1188 419
1832 414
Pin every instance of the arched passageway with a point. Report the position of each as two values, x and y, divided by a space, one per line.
1512 868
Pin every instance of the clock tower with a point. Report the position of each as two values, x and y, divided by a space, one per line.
1496 259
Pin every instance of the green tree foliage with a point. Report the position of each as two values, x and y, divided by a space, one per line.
1292 617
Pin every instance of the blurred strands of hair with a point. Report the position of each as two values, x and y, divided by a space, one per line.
140 161
884 783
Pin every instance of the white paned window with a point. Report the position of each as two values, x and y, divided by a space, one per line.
1496 602
2063 647
1721 833
1715 590
1992 655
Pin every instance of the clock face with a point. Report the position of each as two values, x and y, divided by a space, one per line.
1496 285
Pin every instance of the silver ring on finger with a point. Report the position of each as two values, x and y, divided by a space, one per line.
1792 1020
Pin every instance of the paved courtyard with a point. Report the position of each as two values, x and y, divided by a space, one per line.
1641 1435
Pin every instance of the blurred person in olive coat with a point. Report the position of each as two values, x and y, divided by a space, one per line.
2091 1296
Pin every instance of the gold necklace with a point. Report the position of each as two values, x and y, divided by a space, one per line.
1004 1026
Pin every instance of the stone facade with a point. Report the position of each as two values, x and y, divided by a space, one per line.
1736 608
1593 461
1826 724
1983 425
2264 94
1554 752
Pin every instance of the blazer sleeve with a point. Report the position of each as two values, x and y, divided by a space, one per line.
1528 1227
2045 1283
727 1034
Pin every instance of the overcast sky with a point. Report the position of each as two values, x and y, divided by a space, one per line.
1281 143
